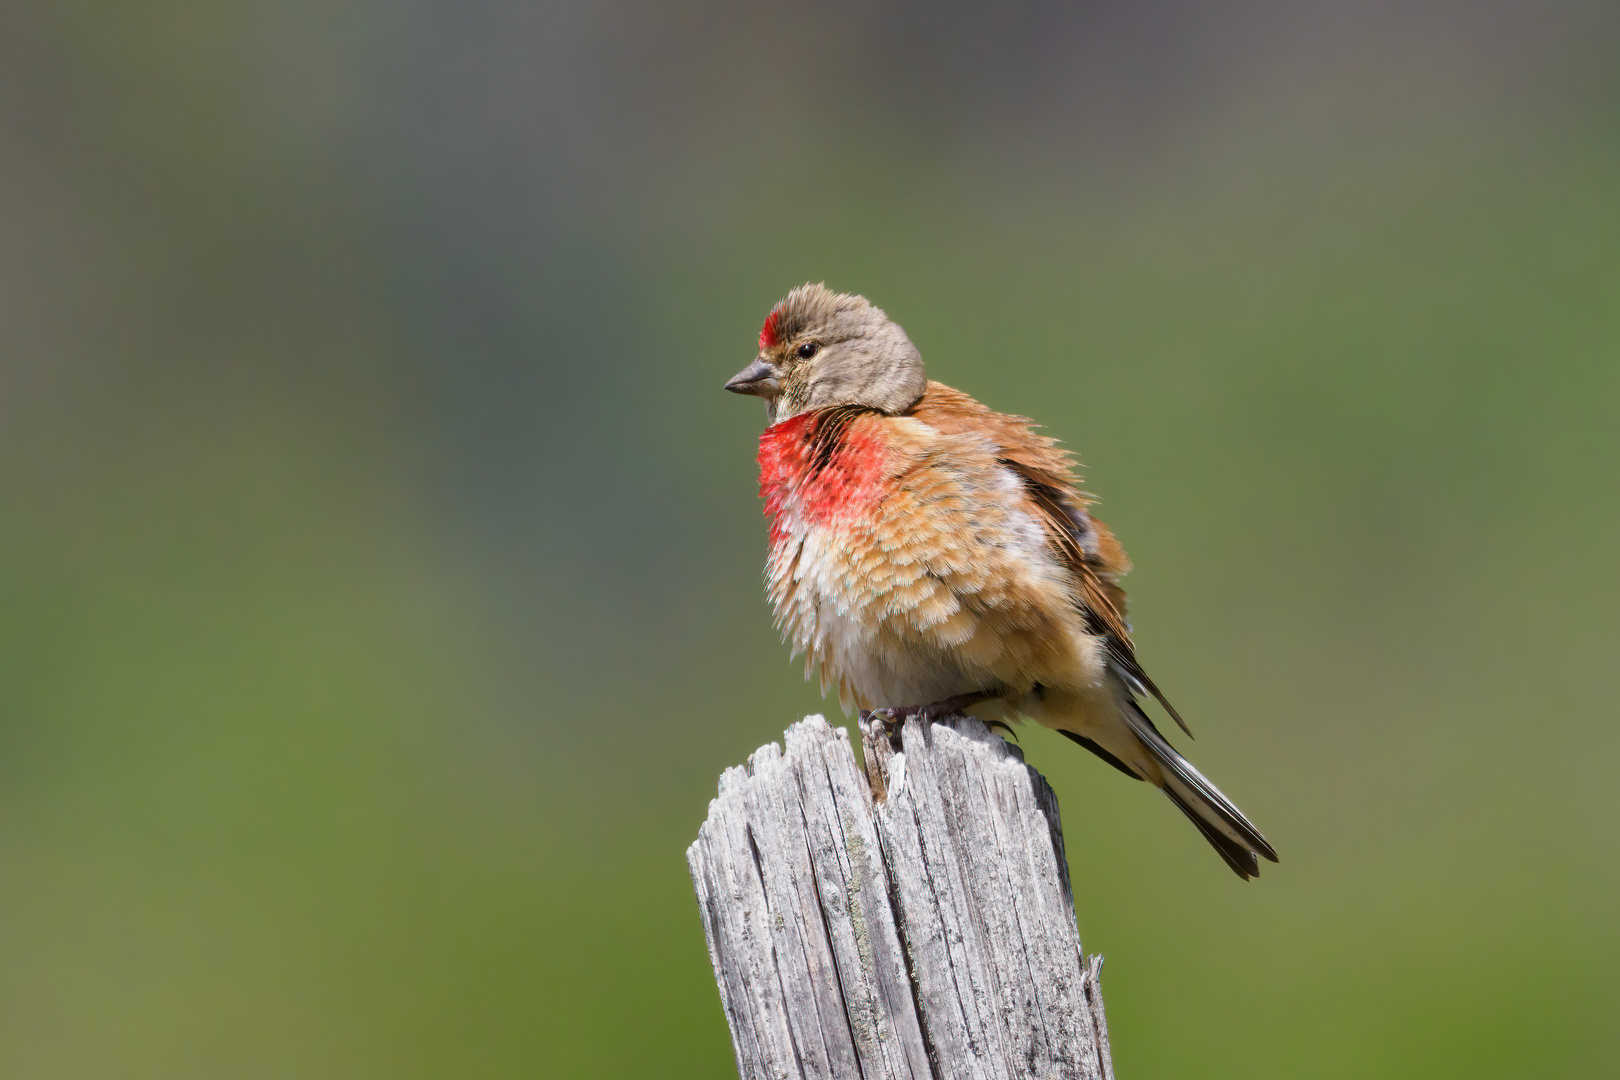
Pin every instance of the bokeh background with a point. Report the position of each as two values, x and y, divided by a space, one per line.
381 558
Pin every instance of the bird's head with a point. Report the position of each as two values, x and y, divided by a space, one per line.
820 348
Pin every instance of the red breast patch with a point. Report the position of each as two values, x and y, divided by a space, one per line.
824 469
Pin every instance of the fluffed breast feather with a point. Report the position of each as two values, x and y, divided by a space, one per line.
949 544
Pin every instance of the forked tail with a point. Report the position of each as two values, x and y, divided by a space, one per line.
1223 825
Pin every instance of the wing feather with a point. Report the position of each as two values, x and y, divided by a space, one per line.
1094 558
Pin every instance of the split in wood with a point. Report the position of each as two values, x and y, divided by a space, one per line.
917 924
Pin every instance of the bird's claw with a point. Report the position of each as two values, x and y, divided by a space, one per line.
1003 725
893 718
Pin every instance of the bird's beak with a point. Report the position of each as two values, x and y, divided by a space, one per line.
758 378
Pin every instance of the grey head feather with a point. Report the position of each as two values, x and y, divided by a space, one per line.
859 356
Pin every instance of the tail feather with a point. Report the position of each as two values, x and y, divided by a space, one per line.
1223 825
1237 856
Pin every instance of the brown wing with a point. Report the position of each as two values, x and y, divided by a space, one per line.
1088 547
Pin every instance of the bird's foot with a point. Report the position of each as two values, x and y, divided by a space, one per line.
894 717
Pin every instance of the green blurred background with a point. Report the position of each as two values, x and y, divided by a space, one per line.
381 558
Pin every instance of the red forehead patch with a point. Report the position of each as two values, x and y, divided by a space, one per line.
767 333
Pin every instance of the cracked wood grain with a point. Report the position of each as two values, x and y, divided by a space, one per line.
926 931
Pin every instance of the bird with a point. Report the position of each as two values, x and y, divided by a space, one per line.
928 554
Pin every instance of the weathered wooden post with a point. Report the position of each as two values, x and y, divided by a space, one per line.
916 922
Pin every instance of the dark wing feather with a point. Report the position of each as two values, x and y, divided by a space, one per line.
1075 533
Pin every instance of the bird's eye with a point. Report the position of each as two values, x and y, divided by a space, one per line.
807 350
